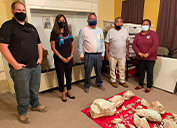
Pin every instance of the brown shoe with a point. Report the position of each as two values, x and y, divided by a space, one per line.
25 119
114 84
124 84
40 108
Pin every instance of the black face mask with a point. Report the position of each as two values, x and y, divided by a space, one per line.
118 27
20 16
61 24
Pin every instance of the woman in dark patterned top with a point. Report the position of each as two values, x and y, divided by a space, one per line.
63 47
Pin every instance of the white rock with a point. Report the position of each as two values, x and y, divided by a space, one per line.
120 126
139 107
174 117
150 115
138 101
130 112
157 106
128 94
169 123
132 104
144 103
140 122
117 100
129 106
124 108
101 107
133 109
131 126
116 121
155 126
161 126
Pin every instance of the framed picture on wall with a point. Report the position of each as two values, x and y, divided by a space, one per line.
46 22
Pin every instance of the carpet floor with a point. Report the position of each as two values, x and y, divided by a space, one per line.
68 114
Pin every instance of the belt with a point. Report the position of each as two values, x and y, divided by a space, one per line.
93 53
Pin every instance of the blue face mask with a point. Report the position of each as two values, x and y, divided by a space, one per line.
93 23
145 27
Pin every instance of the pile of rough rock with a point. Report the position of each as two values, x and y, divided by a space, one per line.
170 121
101 107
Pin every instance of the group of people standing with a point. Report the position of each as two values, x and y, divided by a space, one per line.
21 47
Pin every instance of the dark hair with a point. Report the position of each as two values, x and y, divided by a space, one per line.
118 18
13 4
92 14
146 20
56 28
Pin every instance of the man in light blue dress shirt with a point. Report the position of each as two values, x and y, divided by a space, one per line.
91 48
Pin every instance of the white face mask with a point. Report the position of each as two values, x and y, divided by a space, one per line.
145 27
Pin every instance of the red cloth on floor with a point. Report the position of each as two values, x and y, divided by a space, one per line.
105 122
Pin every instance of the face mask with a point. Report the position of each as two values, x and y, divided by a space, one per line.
61 24
118 27
145 27
20 16
93 23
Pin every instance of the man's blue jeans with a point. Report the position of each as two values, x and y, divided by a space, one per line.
90 60
26 85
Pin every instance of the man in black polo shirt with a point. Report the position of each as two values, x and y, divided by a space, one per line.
21 47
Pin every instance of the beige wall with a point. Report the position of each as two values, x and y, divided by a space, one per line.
117 8
105 11
151 11
5 13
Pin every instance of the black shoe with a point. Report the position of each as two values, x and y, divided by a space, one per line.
73 97
64 100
